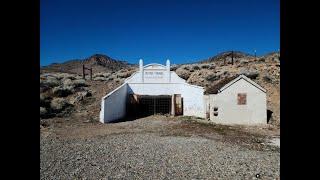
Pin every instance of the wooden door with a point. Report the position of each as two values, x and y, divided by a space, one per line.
178 104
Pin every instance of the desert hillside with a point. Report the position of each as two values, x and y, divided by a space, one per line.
64 93
98 62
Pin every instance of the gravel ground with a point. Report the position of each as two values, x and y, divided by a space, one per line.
156 147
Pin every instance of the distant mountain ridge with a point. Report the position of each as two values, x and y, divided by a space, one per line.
98 62
104 63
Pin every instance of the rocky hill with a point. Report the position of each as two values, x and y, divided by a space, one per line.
66 94
226 57
99 63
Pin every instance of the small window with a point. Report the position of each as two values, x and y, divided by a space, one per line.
242 98
215 113
215 108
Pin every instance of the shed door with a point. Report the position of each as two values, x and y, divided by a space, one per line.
178 104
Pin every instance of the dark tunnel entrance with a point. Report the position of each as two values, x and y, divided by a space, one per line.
145 105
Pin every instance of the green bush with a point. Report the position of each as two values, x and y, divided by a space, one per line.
212 77
196 68
205 66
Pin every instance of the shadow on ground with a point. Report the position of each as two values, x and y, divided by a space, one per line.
132 118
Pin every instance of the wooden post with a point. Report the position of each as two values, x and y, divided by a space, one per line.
172 105
232 57
83 72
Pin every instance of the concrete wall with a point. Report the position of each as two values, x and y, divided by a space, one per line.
154 89
113 105
208 101
229 112
156 80
193 103
193 100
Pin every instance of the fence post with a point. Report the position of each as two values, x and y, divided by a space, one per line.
83 72
232 57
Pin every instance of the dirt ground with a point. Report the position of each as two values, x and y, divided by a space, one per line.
176 145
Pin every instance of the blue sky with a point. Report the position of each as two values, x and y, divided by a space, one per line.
155 30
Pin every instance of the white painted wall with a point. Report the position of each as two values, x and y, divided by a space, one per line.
193 103
154 88
136 77
193 100
229 112
113 105
208 101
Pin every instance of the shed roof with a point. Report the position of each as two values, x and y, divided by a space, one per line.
232 81
215 88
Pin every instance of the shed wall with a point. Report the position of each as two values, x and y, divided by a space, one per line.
229 112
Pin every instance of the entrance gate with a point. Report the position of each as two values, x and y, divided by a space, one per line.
145 105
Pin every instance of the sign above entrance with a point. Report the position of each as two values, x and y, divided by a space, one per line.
153 74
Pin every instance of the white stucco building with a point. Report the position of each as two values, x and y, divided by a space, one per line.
240 101
156 89
153 89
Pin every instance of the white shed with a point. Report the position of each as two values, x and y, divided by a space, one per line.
240 101
153 89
